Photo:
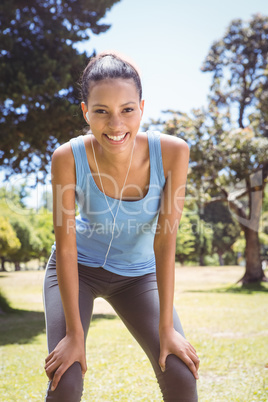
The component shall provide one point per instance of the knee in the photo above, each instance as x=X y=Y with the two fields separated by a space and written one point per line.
x=70 y=387
x=178 y=382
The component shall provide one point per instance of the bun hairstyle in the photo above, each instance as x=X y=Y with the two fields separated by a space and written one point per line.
x=105 y=66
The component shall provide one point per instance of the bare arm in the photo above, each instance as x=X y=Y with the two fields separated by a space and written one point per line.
x=71 y=348
x=175 y=160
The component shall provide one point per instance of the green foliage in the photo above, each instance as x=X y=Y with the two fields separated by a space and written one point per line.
x=264 y=239
x=239 y=63
x=9 y=243
x=43 y=227
x=185 y=242
x=30 y=243
x=24 y=233
x=221 y=155
x=225 y=229
x=228 y=159
x=14 y=195
x=223 y=166
x=211 y=260
x=39 y=68
x=239 y=245
x=194 y=237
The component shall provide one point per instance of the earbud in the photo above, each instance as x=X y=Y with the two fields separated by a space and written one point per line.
x=87 y=116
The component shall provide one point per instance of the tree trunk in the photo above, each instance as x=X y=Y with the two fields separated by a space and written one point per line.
x=3 y=264
x=17 y=266
x=250 y=226
x=201 y=257
x=254 y=271
x=220 y=259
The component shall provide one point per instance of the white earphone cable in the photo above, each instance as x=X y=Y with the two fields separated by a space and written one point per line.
x=106 y=199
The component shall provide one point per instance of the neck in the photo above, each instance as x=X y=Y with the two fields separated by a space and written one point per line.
x=122 y=189
x=115 y=161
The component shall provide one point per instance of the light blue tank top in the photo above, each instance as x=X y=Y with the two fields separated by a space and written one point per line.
x=131 y=251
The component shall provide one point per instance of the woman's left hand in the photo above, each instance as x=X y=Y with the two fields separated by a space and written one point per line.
x=172 y=342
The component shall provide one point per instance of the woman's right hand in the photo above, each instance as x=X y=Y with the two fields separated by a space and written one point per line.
x=69 y=350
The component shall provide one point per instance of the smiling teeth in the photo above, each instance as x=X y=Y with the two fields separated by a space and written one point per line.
x=116 y=138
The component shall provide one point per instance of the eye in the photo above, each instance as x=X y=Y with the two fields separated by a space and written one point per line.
x=128 y=110
x=100 y=111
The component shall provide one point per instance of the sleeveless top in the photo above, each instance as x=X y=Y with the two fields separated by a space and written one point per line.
x=130 y=247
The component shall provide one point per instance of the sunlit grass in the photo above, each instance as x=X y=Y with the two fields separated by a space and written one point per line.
x=228 y=327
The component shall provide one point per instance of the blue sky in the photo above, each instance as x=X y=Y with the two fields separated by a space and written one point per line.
x=169 y=41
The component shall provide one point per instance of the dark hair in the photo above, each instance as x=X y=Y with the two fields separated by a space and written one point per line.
x=108 y=65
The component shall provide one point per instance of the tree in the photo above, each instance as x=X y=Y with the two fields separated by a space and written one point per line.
x=225 y=230
x=30 y=242
x=9 y=243
x=239 y=63
x=24 y=233
x=39 y=68
x=43 y=227
x=185 y=241
x=226 y=164
x=203 y=238
x=194 y=237
x=228 y=141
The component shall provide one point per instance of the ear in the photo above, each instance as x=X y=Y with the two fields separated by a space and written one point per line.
x=141 y=107
x=85 y=111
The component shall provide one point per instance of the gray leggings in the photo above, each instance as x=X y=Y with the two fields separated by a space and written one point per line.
x=136 y=301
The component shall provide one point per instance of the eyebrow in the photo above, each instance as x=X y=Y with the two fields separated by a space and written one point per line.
x=124 y=104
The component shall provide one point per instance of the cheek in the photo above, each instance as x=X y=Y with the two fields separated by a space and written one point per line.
x=96 y=121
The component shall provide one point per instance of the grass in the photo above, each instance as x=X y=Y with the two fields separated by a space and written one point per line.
x=227 y=324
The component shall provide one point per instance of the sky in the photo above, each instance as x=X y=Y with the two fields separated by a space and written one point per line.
x=169 y=41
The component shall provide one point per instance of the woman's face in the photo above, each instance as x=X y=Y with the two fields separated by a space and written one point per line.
x=114 y=112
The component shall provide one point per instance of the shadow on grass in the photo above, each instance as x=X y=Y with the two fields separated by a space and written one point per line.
x=20 y=326
x=97 y=317
x=251 y=288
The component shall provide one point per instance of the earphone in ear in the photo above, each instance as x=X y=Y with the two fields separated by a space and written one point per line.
x=87 y=115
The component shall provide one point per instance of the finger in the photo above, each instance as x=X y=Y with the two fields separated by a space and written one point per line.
x=57 y=376
x=192 y=348
x=49 y=356
x=49 y=373
x=197 y=363
x=191 y=365
x=49 y=362
x=195 y=359
x=84 y=368
x=51 y=367
x=162 y=360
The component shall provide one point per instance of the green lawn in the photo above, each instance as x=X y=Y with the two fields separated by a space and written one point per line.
x=227 y=325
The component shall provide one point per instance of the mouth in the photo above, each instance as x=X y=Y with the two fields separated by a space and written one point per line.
x=116 y=138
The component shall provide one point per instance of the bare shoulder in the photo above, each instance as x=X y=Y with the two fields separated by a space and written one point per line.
x=175 y=152
x=172 y=145
x=63 y=160
x=142 y=137
x=142 y=141
x=63 y=151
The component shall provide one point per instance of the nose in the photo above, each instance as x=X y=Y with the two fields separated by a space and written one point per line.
x=115 y=121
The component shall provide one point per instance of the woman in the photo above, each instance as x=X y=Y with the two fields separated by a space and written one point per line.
x=129 y=187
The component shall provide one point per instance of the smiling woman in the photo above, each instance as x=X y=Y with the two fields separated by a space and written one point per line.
x=113 y=111
x=129 y=187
